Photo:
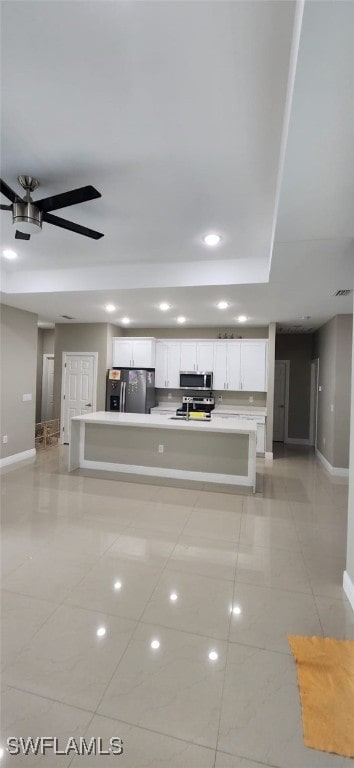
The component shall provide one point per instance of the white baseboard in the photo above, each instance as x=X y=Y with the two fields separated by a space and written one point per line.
x=16 y=457
x=297 y=441
x=337 y=471
x=268 y=455
x=348 y=587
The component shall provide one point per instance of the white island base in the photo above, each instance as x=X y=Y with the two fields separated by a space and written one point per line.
x=215 y=451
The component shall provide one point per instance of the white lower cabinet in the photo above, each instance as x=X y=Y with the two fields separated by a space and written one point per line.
x=261 y=422
x=167 y=364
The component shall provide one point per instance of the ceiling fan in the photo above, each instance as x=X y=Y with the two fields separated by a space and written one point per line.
x=29 y=215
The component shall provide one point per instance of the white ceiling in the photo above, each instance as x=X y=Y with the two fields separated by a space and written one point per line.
x=179 y=114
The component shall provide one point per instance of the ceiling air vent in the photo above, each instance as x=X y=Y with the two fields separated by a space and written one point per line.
x=343 y=292
x=67 y=317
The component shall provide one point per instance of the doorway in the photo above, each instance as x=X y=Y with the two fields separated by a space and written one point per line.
x=79 y=386
x=281 y=400
x=47 y=388
x=314 y=402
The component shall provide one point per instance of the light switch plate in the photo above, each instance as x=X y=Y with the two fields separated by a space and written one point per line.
x=27 y=397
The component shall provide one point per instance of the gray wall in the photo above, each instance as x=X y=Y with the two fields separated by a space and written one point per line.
x=332 y=344
x=350 y=539
x=18 y=377
x=270 y=392
x=298 y=349
x=81 y=337
x=197 y=333
x=45 y=346
x=220 y=453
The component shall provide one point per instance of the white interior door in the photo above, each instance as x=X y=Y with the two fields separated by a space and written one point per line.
x=279 y=401
x=47 y=388
x=79 y=388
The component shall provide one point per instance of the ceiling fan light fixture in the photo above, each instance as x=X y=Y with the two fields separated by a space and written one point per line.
x=27 y=218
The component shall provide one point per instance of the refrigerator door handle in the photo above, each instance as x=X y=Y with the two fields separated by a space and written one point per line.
x=125 y=387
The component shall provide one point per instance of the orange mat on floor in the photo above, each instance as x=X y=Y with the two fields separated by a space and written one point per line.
x=325 y=673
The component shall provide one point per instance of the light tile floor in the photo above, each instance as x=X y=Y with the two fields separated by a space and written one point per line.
x=195 y=570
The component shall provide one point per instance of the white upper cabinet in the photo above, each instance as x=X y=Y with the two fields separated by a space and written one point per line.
x=161 y=364
x=167 y=364
x=240 y=365
x=220 y=365
x=254 y=366
x=134 y=352
x=173 y=364
x=205 y=356
x=233 y=365
x=122 y=353
x=188 y=355
x=197 y=356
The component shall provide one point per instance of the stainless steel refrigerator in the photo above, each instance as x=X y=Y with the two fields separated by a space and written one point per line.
x=130 y=390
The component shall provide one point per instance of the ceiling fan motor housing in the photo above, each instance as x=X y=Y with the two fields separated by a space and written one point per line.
x=27 y=217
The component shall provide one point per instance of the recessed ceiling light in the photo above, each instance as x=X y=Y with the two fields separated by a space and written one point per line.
x=181 y=319
x=125 y=320
x=101 y=631
x=223 y=305
x=117 y=585
x=242 y=318
x=155 y=644
x=164 y=306
x=110 y=308
x=212 y=239
x=9 y=254
x=236 y=610
x=173 y=597
x=213 y=656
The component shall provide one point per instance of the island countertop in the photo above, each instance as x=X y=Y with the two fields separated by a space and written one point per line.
x=163 y=421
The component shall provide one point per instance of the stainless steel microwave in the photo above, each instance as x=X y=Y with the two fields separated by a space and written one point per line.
x=196 y=380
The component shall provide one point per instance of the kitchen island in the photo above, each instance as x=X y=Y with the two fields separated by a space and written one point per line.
x=219 y=450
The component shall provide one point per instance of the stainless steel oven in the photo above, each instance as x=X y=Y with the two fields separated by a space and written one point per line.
x=196 y=380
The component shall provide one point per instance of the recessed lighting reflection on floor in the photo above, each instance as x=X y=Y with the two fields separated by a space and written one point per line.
x=155 y=644
x=236 y=610
x=101 y=631
x=213 y=656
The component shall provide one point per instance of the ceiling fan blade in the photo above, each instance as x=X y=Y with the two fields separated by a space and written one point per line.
x=58 y=222
x=22 y=235
x=9 y=193
x=5 y=207
x=65 y=199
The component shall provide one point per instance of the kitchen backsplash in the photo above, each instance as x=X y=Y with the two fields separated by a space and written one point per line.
x=228 y=398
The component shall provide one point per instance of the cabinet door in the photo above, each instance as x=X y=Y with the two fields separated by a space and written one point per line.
x=161 y=365
x=220 y=372
x=122 y=353
x=254 y=366
x=173 y=364
x=233 y=366
x=205 y=355
x=143 y=353
x=188 y=356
